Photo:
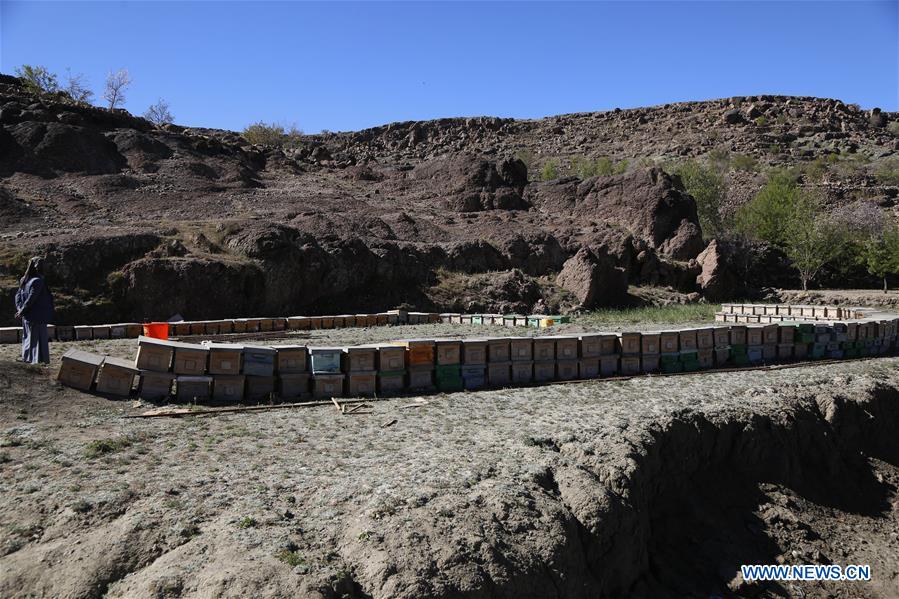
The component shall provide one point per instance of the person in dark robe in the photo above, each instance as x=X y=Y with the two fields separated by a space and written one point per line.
x=34 y=305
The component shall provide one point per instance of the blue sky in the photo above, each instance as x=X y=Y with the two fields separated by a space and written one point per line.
x=346 y=65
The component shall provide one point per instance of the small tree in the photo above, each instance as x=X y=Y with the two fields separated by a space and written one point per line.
x=880 y=254
x=38 y=79
x=810 y=239
x=550 y=170
x=765 y=217
x=708 y=187
x=273 y=134
x=159 y=113
x=116 y=85
x=76 y=87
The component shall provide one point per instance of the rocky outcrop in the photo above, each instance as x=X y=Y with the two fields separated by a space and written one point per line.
x=594 y=279
x=468 y=183
x=648 y=203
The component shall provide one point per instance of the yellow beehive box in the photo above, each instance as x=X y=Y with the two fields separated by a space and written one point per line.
x=116 y=377
x=228 y=388
x=79 y=369
x=154 y=354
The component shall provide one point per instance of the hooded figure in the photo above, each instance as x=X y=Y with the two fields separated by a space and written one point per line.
x=34 y=305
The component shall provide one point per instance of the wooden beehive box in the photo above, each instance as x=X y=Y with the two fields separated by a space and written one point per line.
x=325 y=360
x=292 y=359
x=544 y=350
x=592 y=344
x=298 y=323
x=499 y=349
x=239 y=325
x=544 y=371
x=381 y=320
x=449 y=351
x=474 y=376
x=253 y=325
x=100 y=332
x=154 y=354
x=419 y=352
x=499 y=374
x=133 y=330
x=315 y=322
x=360 y=358
x=228 y=388
x=755 y=335
x=349 y=320
x=155 y=385
x=190 y=359
x=116 y=377
x=566 y=347
x=650 y=362
x=522 y=372
x=705 y=338
x=211 y=327
x=259 y=388
x=687 y=339
x=225 y=358
x=651 y=344
x=10 y=334
x=79 y=369
x=278 y=324
x=567 y=370
x=784 y=351
x=770 y=334
x=588 y=368
x=608 y=364
x=182 y=329
x=738 y=335
x=391 y=358
x=293 y=385
x=629 y=344
x=630 y=365
x=197 y=327
x=190 y=387
x=758 y=309
x=391 y=381
x=786 y=333
x=84 y=332
x=420 y=377
x=338 y=322
x=67 y=333
x=474 y=351
x=705 y=357
x=117 y=331
x=771 y=310
x=259 y=360
x=521 y=349
x=392 y=318
x=361 y=384
x=265 y=325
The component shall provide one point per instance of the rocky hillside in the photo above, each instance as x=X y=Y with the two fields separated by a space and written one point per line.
x=144 y=222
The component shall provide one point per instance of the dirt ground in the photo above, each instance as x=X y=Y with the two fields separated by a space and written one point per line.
x=650 y=487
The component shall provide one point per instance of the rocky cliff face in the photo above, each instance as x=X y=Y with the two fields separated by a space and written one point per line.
x=142 y=222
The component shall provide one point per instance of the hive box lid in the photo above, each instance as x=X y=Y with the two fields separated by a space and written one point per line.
x=322 y=348
x=172 y=344
x=360 y=348
x=281 y=348
x=259 y=349
x=82 y=356
x=223 y=346
x=120 y=363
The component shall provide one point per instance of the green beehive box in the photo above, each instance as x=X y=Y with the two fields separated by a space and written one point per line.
x=477 y=319
x=669 y=359
x=562 y=319
x=448 y=371
x=806 y=337
x=533 y=322
x=670 y=367
x=805 y=327
x=740 y=359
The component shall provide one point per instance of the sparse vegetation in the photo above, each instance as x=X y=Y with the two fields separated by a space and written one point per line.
x=601 y=166
x=291 y=558
x=744 y=162
x=159 y=113
x=708 y=187
x=77 y=88
x=672 y=314
x=247 y=522
x=271 y=134
x=550 y=170
x=893 y=128
x=887 y=171
x=38 y=79
x=116 y=85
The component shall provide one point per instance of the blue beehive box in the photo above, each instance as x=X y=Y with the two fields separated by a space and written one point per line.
x=259 y=360
x=325 y=360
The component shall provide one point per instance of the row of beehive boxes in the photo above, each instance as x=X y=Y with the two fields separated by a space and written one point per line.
x=792 y=310
x=508 y=320
x=132 y=330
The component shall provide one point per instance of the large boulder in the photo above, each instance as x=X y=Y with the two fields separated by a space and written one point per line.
x=718 y=280
x=469 y=183
x=593 y=278
x=77 y=149
x=648 y=203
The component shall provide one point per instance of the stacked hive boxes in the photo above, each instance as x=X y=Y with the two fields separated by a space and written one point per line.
x=360 y=364
x=419 y=363
x=327 y=378
x=448 y=369
x=474 y=363
x=391 y=368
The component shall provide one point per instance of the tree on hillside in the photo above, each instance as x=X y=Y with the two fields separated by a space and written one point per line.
x=766 y=216
x=38 y=79
x=880 y=253
x=76 y=87
x=810 y=238
x=116 y=84
x=159 y=113
x=708 y=187
x=265 y=134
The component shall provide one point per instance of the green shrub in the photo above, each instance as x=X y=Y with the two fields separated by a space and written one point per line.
x=38 y=79
x=744 y=162
x=761 y=121
x=887 y=172
x=550 y=170
x=103 y=446
x=291 y=558
x=893 y=128
x=765 y=217
x=880 y=253
x=265 y=134
x=708 y=187
x=602 y=166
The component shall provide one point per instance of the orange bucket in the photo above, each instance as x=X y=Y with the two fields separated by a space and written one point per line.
x=157 y=330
